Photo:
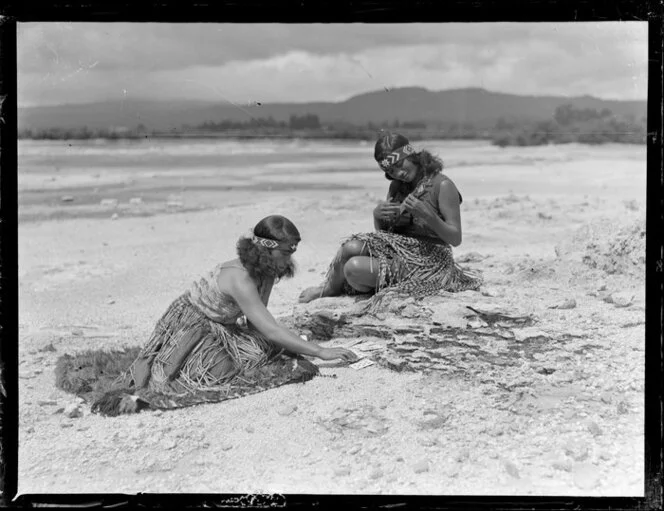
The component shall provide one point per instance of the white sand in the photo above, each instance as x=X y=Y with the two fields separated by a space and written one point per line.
x=114 y=278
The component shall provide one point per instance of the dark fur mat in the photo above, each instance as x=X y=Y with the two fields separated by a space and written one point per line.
x=92 y=375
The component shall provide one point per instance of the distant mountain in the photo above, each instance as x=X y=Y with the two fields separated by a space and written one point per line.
x=479 y=107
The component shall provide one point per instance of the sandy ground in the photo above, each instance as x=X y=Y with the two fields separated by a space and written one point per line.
x=91 y=280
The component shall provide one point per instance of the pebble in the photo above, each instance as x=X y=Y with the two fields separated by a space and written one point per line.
x=66 y=425
x=453 y=471
x=135 y=200
x=286 y=410
x=594 y=429
x=586 y=476
x=490 y=292
x=342 y=471
x=115 y=216
x=354 y=450
x=168 y=444
x=376 y=473
x=226 y=447
x=249 y=429
x=576 y=450
x=427 y=442
x=109 y=202
x=606 y=397
x=395 y=362
x=411 y=311
x=568 y=303
x=67 y=198
x=565 y=465
x=421 y=466
x=48 y=402
x=471 y=257
x=59 y=410
x=605 y=455
x=511 y=469
x=476 y=323
x=463 y=455
x=623 y=299
x=622 y=408
x=110 y=302
x=73 y=410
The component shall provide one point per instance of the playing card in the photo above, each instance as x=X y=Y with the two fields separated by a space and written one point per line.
x=361 y=364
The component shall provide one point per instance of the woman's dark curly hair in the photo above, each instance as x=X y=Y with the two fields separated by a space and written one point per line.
x=258 y=259
x=427 y=163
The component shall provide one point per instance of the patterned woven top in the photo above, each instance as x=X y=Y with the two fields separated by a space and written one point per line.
x=216 y=304
x=427 y=191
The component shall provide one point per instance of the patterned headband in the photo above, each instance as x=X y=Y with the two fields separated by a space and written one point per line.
x=396 y=156
x=272 y=243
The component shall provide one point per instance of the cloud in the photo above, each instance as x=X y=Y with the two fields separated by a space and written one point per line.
x=45 y=47
x=68 y=62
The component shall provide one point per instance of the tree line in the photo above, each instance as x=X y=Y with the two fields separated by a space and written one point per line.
x=567 y=124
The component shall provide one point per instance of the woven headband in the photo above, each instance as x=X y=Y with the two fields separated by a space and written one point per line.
x=272 y=243
x=396 y=156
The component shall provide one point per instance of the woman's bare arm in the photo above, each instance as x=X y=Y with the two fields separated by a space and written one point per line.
x=447 y=228
x=243 y=290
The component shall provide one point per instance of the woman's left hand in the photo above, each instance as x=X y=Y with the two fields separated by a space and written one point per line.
x=416 y=207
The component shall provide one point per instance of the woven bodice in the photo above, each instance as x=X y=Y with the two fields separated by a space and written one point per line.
x=216 y=304
x=427 y=191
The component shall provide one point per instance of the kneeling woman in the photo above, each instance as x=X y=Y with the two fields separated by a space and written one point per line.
x=410 y=251
x=201 y=345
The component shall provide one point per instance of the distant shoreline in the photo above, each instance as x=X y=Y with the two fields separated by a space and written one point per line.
x=236 y=135
x=493 y=139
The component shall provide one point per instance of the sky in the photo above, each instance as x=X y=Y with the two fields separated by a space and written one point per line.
x=65 y=63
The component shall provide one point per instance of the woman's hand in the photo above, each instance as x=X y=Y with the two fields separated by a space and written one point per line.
x=332 y=353
x=387 y=212
x=416 y=207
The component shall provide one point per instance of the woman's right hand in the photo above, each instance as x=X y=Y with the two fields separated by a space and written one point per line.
x=333 y=353
x=387 y=211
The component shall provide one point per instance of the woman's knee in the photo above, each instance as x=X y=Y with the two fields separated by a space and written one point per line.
x=352 y=248
x=359 y=269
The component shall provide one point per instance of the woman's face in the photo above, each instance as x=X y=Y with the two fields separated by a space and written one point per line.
x=282 y=258
x=405 y=171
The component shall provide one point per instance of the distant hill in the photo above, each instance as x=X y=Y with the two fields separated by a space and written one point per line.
x=479 y=107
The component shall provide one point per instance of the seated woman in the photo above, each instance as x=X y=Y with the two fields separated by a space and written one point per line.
x=410 y=251
x=201 y=344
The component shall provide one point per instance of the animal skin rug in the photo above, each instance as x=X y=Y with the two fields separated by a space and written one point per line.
x=92 y=375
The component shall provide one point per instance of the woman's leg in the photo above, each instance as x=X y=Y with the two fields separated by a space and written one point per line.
x=361 y=273
x=333 y=286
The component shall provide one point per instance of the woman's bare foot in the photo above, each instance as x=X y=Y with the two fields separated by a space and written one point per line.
x=310 y=294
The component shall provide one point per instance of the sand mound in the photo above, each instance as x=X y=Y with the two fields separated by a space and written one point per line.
x=609 y=246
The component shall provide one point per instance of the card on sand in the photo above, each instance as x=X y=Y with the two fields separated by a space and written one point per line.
x=361 y=364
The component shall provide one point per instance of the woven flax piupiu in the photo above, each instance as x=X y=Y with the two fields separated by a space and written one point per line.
x=414 y=261
x=198 y=352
